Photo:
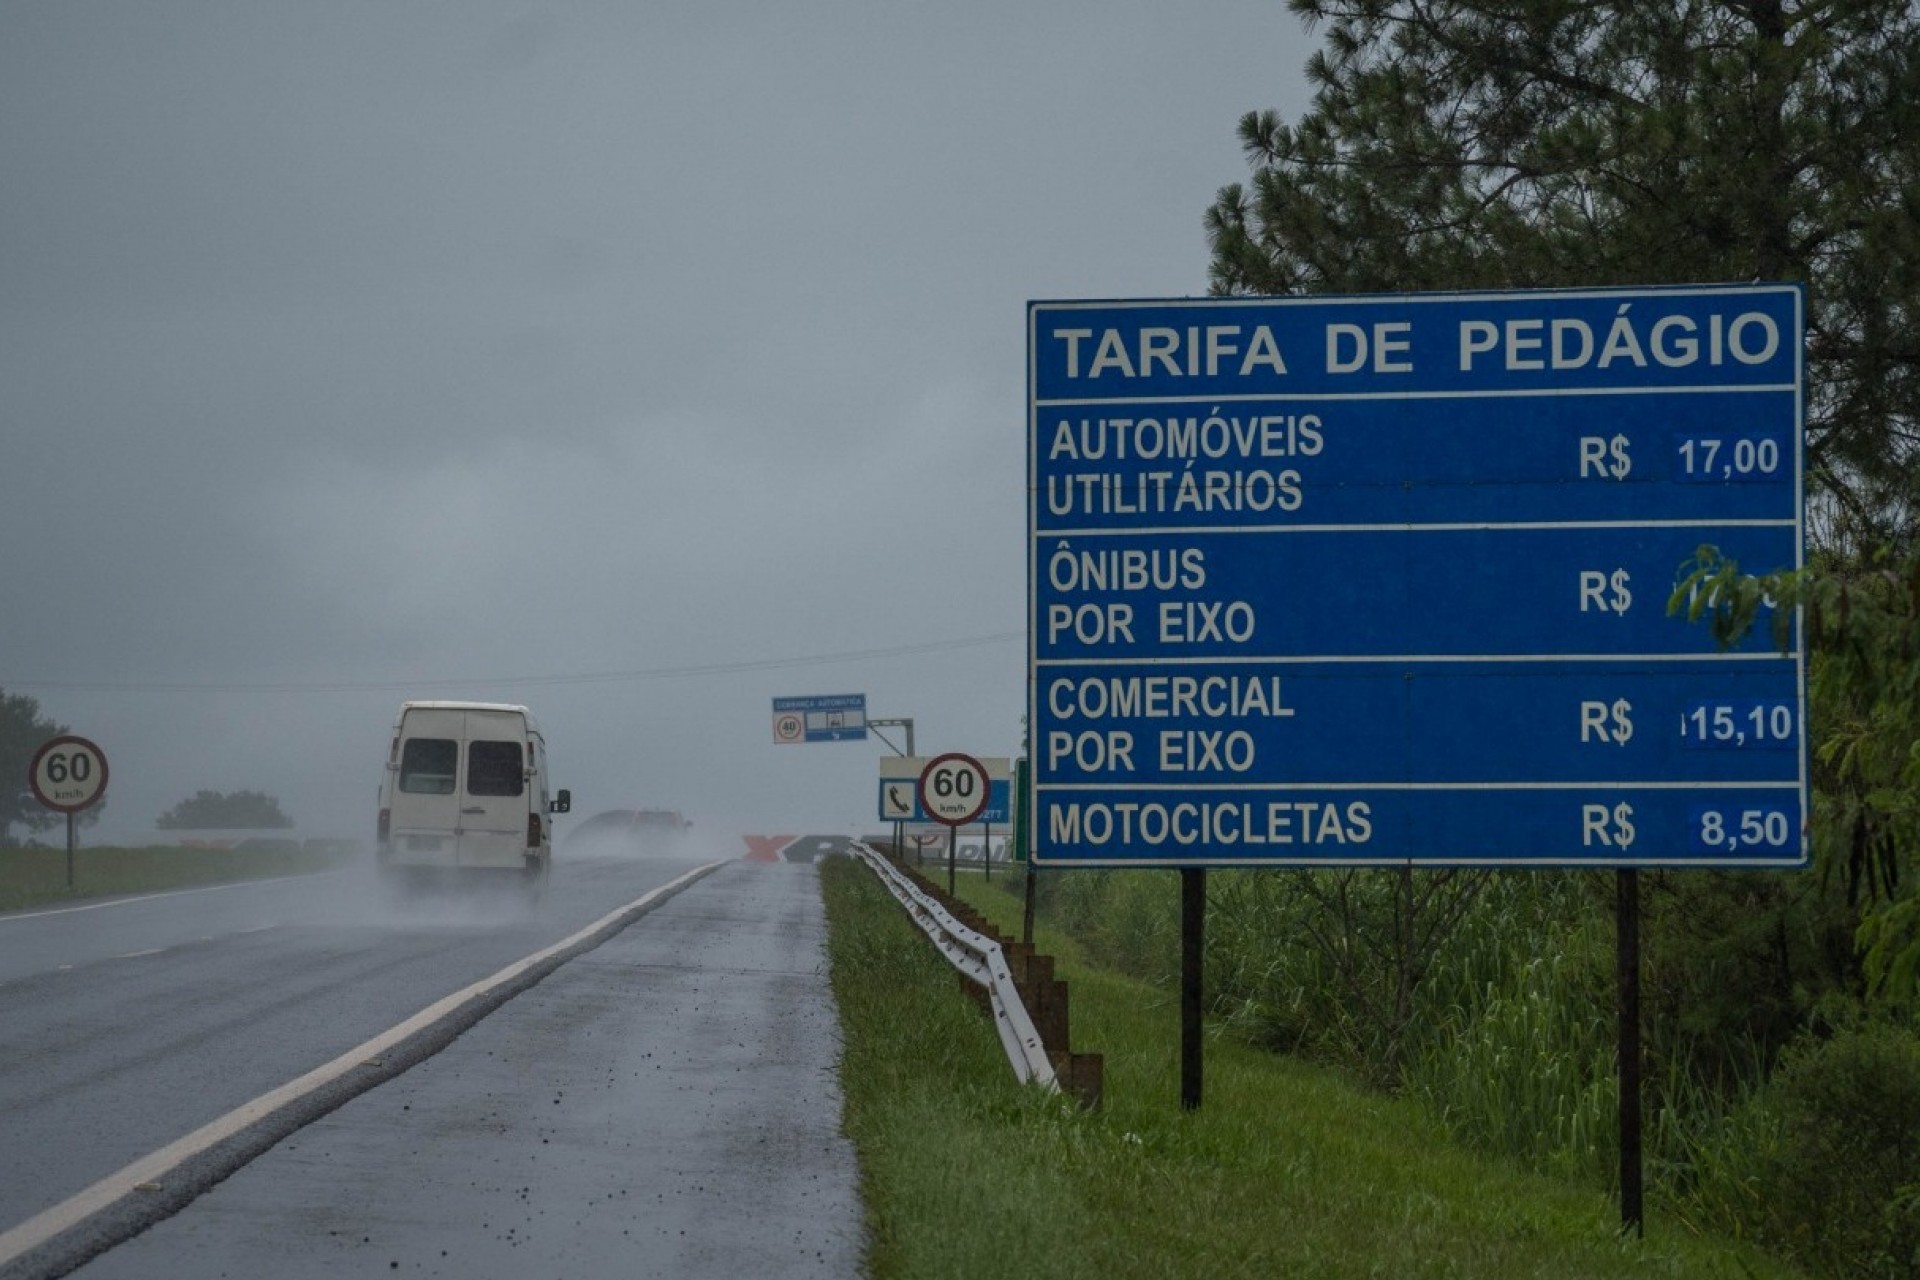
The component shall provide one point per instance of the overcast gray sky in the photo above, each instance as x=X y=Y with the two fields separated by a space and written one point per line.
x=630 y=360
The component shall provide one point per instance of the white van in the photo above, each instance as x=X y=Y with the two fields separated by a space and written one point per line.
x=465 y=795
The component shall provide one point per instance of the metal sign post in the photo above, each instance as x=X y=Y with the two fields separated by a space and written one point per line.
x=905 y=722
x=1193 y=950
x=1022 y=822
x=876 y=725
x=1627 y=976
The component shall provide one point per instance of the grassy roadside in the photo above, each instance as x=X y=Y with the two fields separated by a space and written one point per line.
x=1287 y=1170
x=36 y=877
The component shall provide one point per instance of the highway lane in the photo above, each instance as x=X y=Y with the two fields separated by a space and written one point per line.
x=662 y=1105
x=124 y=1027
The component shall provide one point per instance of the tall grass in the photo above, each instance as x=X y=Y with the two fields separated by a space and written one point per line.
x=1823 y=1161
x=1510 y=1033
x=1508 y=1041
x=1286 y=1170
x=1516 y=1046
x=1128 y=921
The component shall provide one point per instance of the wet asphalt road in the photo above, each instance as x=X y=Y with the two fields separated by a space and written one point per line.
x=663 y=1104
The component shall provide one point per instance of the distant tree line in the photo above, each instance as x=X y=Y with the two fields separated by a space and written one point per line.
x=23 y=731
x=224 y=811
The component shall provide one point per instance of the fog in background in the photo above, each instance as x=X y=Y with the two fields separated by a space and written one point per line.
x=637 y=362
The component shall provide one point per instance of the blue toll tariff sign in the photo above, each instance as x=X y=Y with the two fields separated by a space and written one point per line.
x=1384 y=580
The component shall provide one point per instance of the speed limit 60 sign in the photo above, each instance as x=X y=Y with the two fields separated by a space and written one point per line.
x=68 y=774
x=954 y=788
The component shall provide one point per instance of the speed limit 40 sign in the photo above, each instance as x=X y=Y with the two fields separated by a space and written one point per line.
x=68 y=774
x=954 y=789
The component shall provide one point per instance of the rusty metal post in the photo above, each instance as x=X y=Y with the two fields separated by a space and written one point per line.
x=1193 y=926
x=1627 y=973
x=1026 y=909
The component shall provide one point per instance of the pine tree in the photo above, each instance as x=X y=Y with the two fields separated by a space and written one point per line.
x=1534 y=143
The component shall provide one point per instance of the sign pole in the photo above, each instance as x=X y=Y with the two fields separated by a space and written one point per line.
x=1627 y=972
x=1026 y=910
x=70 y=844
x=1023 y=843
x=986 y=850
x=953 y=836
x=1193 y=926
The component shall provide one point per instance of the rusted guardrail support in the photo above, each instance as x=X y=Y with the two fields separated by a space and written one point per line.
x=978 y=950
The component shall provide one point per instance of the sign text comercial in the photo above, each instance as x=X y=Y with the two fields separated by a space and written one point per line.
x=1379 y=580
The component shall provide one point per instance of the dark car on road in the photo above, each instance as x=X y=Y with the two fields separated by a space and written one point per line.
x=619 y=831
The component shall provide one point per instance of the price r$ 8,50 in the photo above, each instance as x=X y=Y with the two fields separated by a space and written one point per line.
x=1728 y=831
x=1719 y=831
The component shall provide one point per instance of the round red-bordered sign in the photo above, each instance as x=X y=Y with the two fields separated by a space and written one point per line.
x=68 y=774
x=954 y=789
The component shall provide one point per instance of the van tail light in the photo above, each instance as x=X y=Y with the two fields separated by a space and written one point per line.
x=386 y=826
x=533 y=831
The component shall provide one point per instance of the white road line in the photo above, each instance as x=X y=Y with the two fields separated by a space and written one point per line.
x=48 y=1223
x=135 y=955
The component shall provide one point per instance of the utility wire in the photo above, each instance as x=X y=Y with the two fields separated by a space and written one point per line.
x=592 y=677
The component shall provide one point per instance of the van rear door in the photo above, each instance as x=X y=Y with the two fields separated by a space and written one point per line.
x=426 y=800
x=493 y=798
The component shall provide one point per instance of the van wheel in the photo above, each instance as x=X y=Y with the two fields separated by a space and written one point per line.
x=535 y=886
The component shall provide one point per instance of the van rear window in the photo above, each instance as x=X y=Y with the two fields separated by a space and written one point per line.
x=428 y=766
x=493 y=769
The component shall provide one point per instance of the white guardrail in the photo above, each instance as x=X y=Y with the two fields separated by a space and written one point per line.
x=981 y=960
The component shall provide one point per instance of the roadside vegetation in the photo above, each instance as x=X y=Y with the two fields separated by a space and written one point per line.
x=33 y=854
x=37 y=875
x=1781 y=1105
x=1289 y=1168
x=1494 y=146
